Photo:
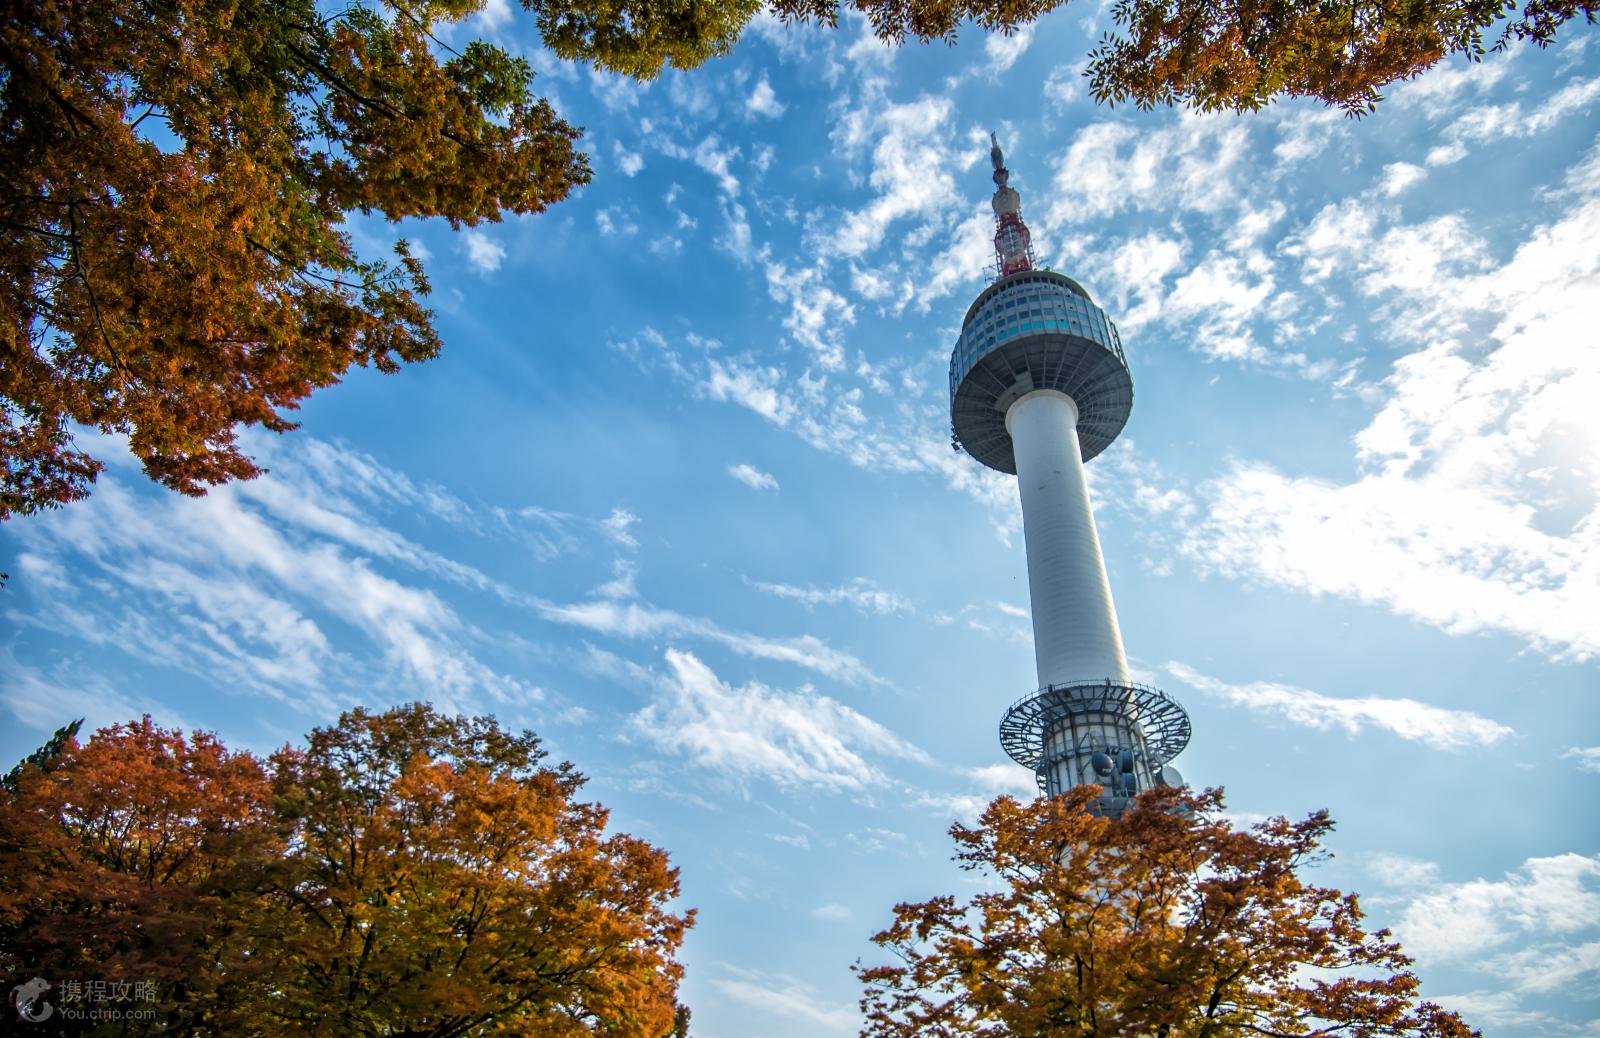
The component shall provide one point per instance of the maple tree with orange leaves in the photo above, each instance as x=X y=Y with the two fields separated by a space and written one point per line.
x=405 y=873
x=1167 y=922
x=1239 y=55
x=175 y=177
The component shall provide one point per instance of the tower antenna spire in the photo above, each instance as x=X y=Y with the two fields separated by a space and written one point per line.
x=1013 y=245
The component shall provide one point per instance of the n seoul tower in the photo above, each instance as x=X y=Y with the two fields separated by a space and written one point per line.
x=1039 y=385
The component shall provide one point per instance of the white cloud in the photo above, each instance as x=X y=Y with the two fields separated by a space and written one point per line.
x=45 y=702
x=1494 y=122
x=984 y=785
x=1063 y=84
x=817 y=314
x=1499 y=1009
x=832 y=419
x=1190 y=164
x=624 y=580
x=1219 y=298
x=753 y=388
x=1543 y=898
x=798 y=739
x=753 y=477
x=912 y=164
x=617 y=92
x=483 y=252
x=1545 y=969
x=1399 y=870
x=619 y=527
x=629 y=162
x=737 y=240
x=1413 y=721
x=860 y=593
x=962 y=262
x=635 y=619
x=1308 y=130
x=1001 y=51
x=494 y=15
x=1440 y=90
x=1588 y=758
x=718 y=161
x=833 y=912
x=788 y=999
x=1397 y=176
x=244 y=585
x=1139 y=268
x=1477 y=507
x=763 y=101
x=612 y=221
x=994 y=779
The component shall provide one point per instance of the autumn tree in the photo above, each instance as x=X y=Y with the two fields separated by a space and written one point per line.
x=130 y=859
x=1241 y=54
x=175 y=176
x=445 y=882
x=405 y=873
x=1167 y=922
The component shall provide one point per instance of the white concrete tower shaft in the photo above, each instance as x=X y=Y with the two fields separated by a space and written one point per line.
x=1075 y=633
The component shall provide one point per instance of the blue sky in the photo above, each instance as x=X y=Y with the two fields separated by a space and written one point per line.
x=679 y=496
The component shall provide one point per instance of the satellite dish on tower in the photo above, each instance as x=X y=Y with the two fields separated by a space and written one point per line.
x=1170 y=777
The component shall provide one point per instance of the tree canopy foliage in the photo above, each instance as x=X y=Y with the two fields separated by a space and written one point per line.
x=174 y=179
x=1239 y=54
x=1165 y=922
x=405 y=873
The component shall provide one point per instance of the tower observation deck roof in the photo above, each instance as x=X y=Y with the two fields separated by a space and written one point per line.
x=1036 y=329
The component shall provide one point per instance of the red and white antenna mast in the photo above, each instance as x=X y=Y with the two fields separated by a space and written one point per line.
x=1013 y=245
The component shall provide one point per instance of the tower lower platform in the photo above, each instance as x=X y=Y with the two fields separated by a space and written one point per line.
x=1117 y=735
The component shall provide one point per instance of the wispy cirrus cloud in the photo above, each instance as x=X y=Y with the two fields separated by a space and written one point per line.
x=860 y=593
x=753 y=477
x=786 y=998
x=796 y=739
x=1433 y=726
x=638 y=620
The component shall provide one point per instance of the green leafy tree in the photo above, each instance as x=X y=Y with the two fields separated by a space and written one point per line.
x=1165 y=922
x=636 y=37
x=44 y=756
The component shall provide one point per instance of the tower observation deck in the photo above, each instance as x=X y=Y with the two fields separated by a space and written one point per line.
x=1039 y=385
